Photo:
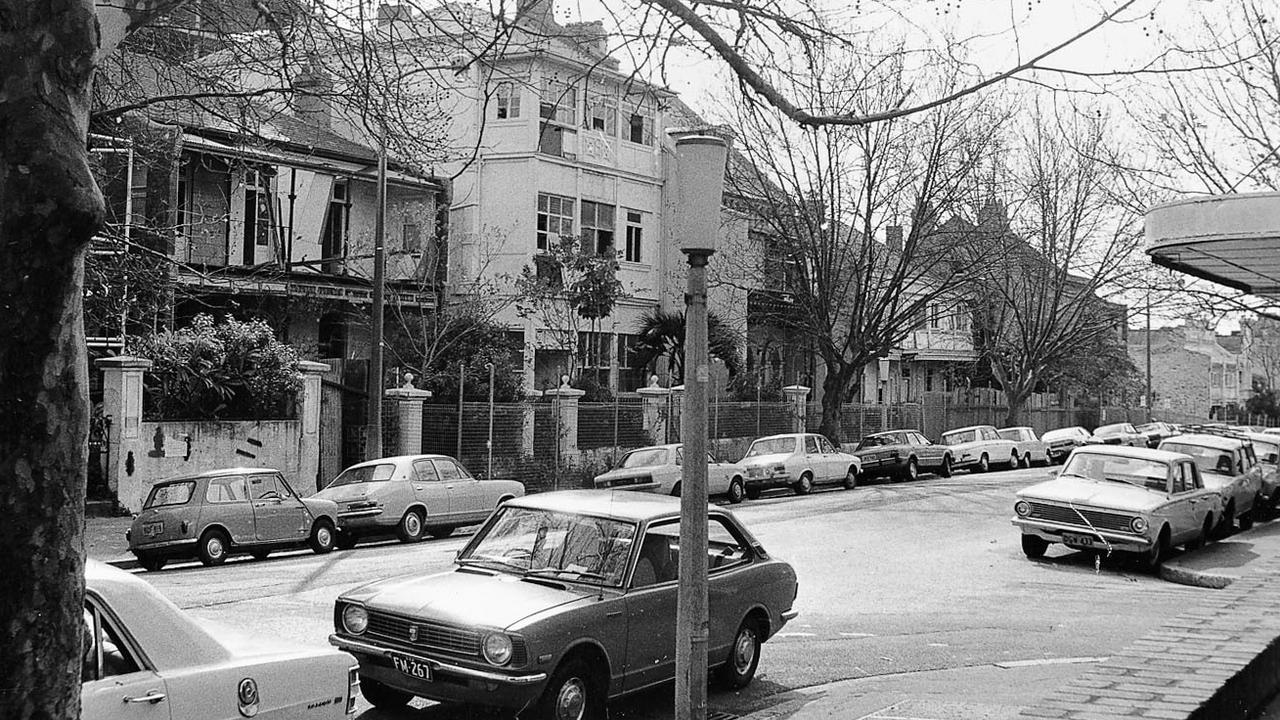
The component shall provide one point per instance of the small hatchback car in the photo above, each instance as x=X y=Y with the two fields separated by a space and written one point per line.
x=220 y=512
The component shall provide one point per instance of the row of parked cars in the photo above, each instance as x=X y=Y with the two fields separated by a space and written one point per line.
x=1196 y=485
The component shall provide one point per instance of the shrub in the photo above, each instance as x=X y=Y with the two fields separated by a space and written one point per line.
x=232 y=370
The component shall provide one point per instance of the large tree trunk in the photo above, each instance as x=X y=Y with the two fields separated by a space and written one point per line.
x=49 y=209
x=1016 y=394
x=833 y=391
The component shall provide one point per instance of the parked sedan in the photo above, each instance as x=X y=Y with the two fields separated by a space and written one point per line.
x=561 y=602
x=979 y=447
x=409 y=495
x=902 y=454
x=798 y=461
x=1129 y=499
x=1156 y=432
x=145 y=658
x=1267 y=449
x=1063 y=440
x=222 y=512
x=1228 y=465
x=1031 y=449
x=659 y=469
x=1118 y=434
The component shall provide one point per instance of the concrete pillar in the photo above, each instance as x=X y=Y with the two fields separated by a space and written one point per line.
x=654 y=412
x=309 y=417
x=409 y=400
x=122 y=406
x=797 y=396
x=565 y=401
x=528 y=419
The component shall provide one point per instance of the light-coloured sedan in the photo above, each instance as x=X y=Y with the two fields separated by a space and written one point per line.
x=1031 y=449
x=145 y=658
x=798 y=461
x=660 y=469
x=1062 y=441
x=1228 y=465
x=1118 y=434
x=978 y=447
x=1128 y=499
x=1267 y=449
x=410 y=495
x=561 y=602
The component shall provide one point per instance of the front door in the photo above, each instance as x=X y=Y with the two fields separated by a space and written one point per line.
x=226 y=500
x=651 y=609
x=278 y=513
x=430 y=491
x=115 y=682
x=468 y=497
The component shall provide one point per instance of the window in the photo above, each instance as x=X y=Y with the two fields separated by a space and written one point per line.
x=558 y=101
x=601 y=114
x=593 y=355
x=263 y=487
x=555 y=217
x=630 y=378
x=598 y=227
x=178 y=493
x=333 y=237
x=811 y=444
x=226 y=490
x=639 y=127
x=450 y=471
x=426 y=471
x=507 y=101
x=826 y=447
x=105 y=654
x=635 y=234
x=411 y=238
x=724 y=547
x=659 y=556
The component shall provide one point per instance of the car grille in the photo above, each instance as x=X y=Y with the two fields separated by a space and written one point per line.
x=461 y=642
x=1068 y=516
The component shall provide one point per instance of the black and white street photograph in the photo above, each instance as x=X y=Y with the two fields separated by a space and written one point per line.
x=639 y=359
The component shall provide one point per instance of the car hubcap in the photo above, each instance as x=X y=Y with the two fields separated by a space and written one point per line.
x=744 y=651
x=214 y=547
x=323 y=536
x=411 y=524
x=571 y=703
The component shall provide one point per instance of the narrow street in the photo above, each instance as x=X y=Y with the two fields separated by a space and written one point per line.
x=917 y=593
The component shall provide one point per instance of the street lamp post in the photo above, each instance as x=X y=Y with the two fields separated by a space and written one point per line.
x=373 y=445
x=700 y=163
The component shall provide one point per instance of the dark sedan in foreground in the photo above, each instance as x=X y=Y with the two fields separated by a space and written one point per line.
x=559 y=603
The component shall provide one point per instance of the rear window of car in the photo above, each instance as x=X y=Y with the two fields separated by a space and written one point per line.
x=1267 y=452
x=1211 y=460
x=1010 y=434
x=364 y=474
x=645 y=458
x=772 y=446
x=963 y=436
x=174 y=493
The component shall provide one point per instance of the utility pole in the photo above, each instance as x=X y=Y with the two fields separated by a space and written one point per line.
x=700 y=164
x=1148 y=356
x=373 y=444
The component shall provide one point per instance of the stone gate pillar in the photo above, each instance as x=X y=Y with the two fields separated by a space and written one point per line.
x=565 y=401
x=528 y=421
x=797 y=396
x=122 y=405
x=309 y=419
x=409 y=401
x=654 y=411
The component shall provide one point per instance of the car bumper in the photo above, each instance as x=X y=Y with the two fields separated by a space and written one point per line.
x=365 y=520
x=166 y=549
x=765 y=483
x=1053 y=532
x=449 y=681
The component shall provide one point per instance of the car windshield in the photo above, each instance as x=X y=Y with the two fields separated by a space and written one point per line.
x=1267 y=452
x=875 y=440
x=1059 y=434
x=645 y=458
x=1151 y=474
x=549 y=543
x=1109 y=429
x=1149 y=427
x=959 y=436
x=174 y=493
x=364 y=474
x=771 y=446
x=1209 y=460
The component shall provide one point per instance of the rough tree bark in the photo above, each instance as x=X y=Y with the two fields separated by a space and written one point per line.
x=49 y=210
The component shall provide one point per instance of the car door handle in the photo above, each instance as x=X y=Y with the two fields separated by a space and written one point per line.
x=614 y=614
x=152 y=697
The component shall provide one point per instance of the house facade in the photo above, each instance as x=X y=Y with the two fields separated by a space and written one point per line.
x=1192 y=371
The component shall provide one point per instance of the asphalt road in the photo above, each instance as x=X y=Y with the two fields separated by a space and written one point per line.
x=915 y=600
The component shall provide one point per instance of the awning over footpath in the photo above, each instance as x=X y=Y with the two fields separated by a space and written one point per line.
x=1232 y=240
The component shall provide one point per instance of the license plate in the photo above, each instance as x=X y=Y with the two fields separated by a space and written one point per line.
x=153 y=529
x=1084 y=541
x=411 y=667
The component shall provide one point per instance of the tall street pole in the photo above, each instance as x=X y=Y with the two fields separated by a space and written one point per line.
x=373 y=444
x=700 y=165
x=1149 y=418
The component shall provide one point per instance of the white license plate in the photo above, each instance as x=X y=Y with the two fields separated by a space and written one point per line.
x=153 y=529
x=411 y=667
x=1082 y=541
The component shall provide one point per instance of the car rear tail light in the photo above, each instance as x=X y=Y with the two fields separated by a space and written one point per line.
x=353 y=688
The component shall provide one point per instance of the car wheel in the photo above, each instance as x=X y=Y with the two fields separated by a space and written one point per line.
x=151 y=563
x=573 y=693
x=804 y=485
x=851 y=478
x=913 y=470
x=1026 y=460
x=984 y=465
x=213 y=547
x=1246 y=520
x=1014 y=460
x=345 y=541
x=322 y=538
x=410 y=528
x=945 y=470
x=744 y=656
x=735 y=491
x=383 y=696
x=260 y=554
x=1227 y=522
x=1156 y=554
x=753 y=493
x=440 y=532
x=1203 y=538
x=1034 y=546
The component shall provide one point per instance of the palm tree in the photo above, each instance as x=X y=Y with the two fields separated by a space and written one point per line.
x=662 y=335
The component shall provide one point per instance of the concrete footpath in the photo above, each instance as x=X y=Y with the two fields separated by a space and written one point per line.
x=104 y=540
x=1219 y=660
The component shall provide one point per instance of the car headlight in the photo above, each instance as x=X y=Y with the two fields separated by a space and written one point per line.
x=1138 y=524
x=355 y=619
x=497 y=648
x=1022 y=507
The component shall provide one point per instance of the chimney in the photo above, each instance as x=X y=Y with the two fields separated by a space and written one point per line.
x=893 y=238
x=390 y=13
x=536 y=12
x=311 y=88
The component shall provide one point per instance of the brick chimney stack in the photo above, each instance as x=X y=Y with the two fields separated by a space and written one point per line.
x=893 y=238
x=311 y=89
